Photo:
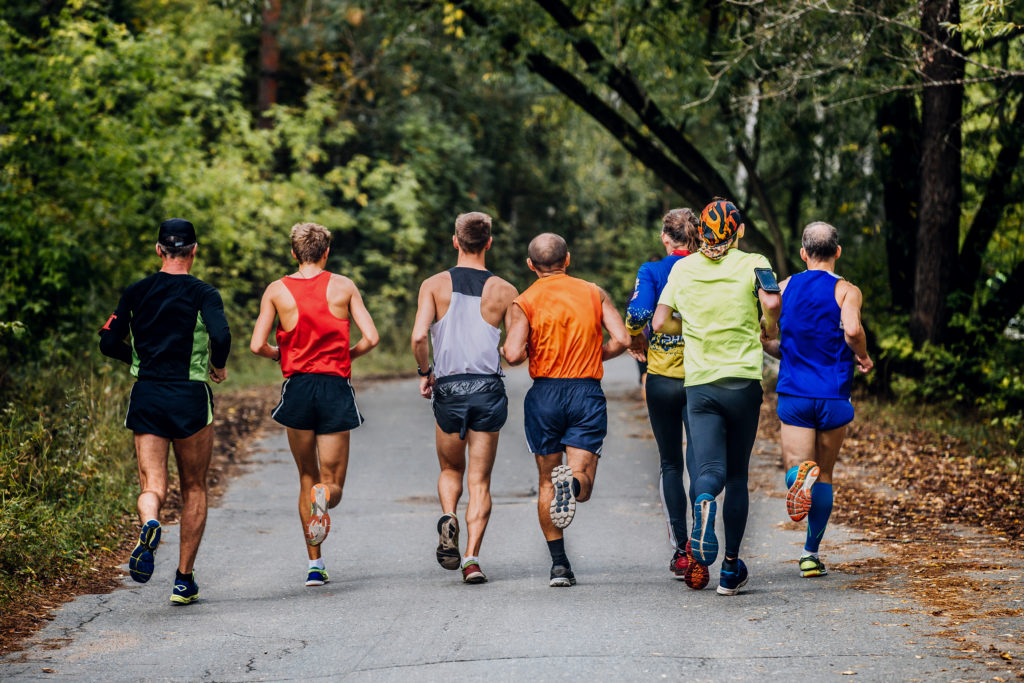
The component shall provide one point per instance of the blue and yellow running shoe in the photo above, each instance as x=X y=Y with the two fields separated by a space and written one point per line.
x=140 y=564
x=317 y=577
x=186 y=590
x=703 y=542
x=811 y=566
x=730 y=582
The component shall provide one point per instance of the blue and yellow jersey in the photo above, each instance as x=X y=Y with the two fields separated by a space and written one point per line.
x=665 y=353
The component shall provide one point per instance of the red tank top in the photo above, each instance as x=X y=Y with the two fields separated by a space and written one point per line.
x=319 y=342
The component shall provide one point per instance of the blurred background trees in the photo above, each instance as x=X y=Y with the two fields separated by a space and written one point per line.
x=901 y=123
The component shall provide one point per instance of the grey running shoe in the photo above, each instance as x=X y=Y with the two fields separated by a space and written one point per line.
x=448 y=555
x=563 y=504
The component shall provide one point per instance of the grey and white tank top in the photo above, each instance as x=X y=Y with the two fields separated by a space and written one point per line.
x=465 y=343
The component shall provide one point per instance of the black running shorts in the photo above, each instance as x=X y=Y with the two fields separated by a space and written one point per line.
x=465 y=402
x=173 y=410
x=323 y=404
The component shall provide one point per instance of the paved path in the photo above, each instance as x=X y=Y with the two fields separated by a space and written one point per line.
x=391 y=613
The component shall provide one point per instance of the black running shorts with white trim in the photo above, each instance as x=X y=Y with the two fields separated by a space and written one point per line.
x=173 y=410
x=465 y=402
x=324 y=404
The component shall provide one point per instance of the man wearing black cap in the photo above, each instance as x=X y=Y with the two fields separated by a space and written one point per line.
x=170 y=327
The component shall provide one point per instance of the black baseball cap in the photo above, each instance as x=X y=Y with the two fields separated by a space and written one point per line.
x=177 y=232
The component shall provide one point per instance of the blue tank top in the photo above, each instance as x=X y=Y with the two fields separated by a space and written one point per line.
x=816 y=362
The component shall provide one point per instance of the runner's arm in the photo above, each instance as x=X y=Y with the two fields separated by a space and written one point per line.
x=771 y=306
x=425 y=312
x=261 y=330
x=853 y=330
x=114 y=332
x=618 y=335
x=212 y=310
x=771 y=345
x=662 y=314
x=361 y=317
x=640 y=308
x=518 y=333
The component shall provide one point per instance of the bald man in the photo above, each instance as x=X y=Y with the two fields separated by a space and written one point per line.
x=558 y=324
x=822 y=339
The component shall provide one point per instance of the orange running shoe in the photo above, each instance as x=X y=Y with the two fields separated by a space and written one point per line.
x=697 y=575
x=798 y=500
x=320 y=521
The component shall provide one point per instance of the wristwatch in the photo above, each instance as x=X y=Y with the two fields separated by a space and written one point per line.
x=430 y=369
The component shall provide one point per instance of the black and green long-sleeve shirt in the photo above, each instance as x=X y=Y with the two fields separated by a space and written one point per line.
x=174 y=326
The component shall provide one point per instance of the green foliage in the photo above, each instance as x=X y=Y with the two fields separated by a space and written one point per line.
x=67 y=474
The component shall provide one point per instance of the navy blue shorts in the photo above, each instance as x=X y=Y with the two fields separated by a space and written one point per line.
x=465 y=402
x=323 y=404
x=565 y=412
x=173 y=410
x=822 y=414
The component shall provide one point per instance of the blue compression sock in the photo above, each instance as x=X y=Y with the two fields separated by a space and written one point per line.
x=817 y=518
x=791 y=475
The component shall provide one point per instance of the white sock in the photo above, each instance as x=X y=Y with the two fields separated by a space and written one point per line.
x=318 y=563
x=469 y=558
x=808 y=553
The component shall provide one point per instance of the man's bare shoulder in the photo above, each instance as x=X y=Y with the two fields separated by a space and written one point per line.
x=845 y=288
x=499 y=288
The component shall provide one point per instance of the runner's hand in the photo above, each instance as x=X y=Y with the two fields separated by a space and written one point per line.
x=218 y=375
x=864 y=364
x=638 y=347
x=426 y=385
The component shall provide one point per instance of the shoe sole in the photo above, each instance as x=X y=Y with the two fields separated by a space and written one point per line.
x=142 y=560
x=563 y=504
x=475 y=577
x=819 y=570
x=703 y=542
x=319 y=521
x=315 y=582
x=798 y=498
x=181 y=600
x=448 y=555
x=697 y=576
x=561 y=582
x=732 y=591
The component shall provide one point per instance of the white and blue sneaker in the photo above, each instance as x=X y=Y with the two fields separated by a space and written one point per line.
x=730 y=582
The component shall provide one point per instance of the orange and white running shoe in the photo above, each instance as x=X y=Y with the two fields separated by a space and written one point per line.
x=798 y=500
x=319 y=521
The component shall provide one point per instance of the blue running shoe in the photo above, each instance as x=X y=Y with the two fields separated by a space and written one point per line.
x=703 y=542
x=730 y=583
x=140 y=564
x=185 y=590
x=316 y=577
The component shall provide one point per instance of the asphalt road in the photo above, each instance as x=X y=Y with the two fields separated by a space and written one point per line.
x=391 y=613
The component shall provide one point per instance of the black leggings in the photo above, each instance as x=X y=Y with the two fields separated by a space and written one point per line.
x=723 y=424
x=666 y=407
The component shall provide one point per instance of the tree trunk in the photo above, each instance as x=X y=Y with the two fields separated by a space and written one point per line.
x=270 y=59
x=899 y=133
x=938 y=228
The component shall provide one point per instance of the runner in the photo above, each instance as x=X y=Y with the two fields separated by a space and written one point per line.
x=666 y=389
x=461 y=310
x=179 y=337
x=822 y=337
x=557 y=322
x=714 y=294
x=314 y=309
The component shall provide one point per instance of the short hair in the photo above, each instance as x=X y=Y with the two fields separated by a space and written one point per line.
x=682 y=227
x=310 y=241
x=547 y=251
x=472 y=230
x=820 y=240
x=184 y=251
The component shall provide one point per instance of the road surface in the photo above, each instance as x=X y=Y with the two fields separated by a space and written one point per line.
x=390 y=613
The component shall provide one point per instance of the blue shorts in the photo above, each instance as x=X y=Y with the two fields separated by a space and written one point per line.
x=822 y=414
x=565 y=412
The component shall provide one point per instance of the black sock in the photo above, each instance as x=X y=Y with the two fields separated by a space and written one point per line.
x=557 y=550
x=182 y=577
x=575 y=486
x=731 y=565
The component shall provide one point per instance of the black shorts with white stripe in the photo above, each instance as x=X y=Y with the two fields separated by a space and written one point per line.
x=324 y=404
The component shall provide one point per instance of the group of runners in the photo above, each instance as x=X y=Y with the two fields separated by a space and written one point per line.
x=704 y=355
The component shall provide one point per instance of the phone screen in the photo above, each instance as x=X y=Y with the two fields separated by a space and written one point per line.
x=766 y=280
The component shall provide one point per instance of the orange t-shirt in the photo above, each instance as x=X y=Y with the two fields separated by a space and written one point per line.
x=565 y=327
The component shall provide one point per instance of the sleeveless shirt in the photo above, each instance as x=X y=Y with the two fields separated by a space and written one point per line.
x=565 y=327
x=465 y=343
x=816 y=362
x=319 y=341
